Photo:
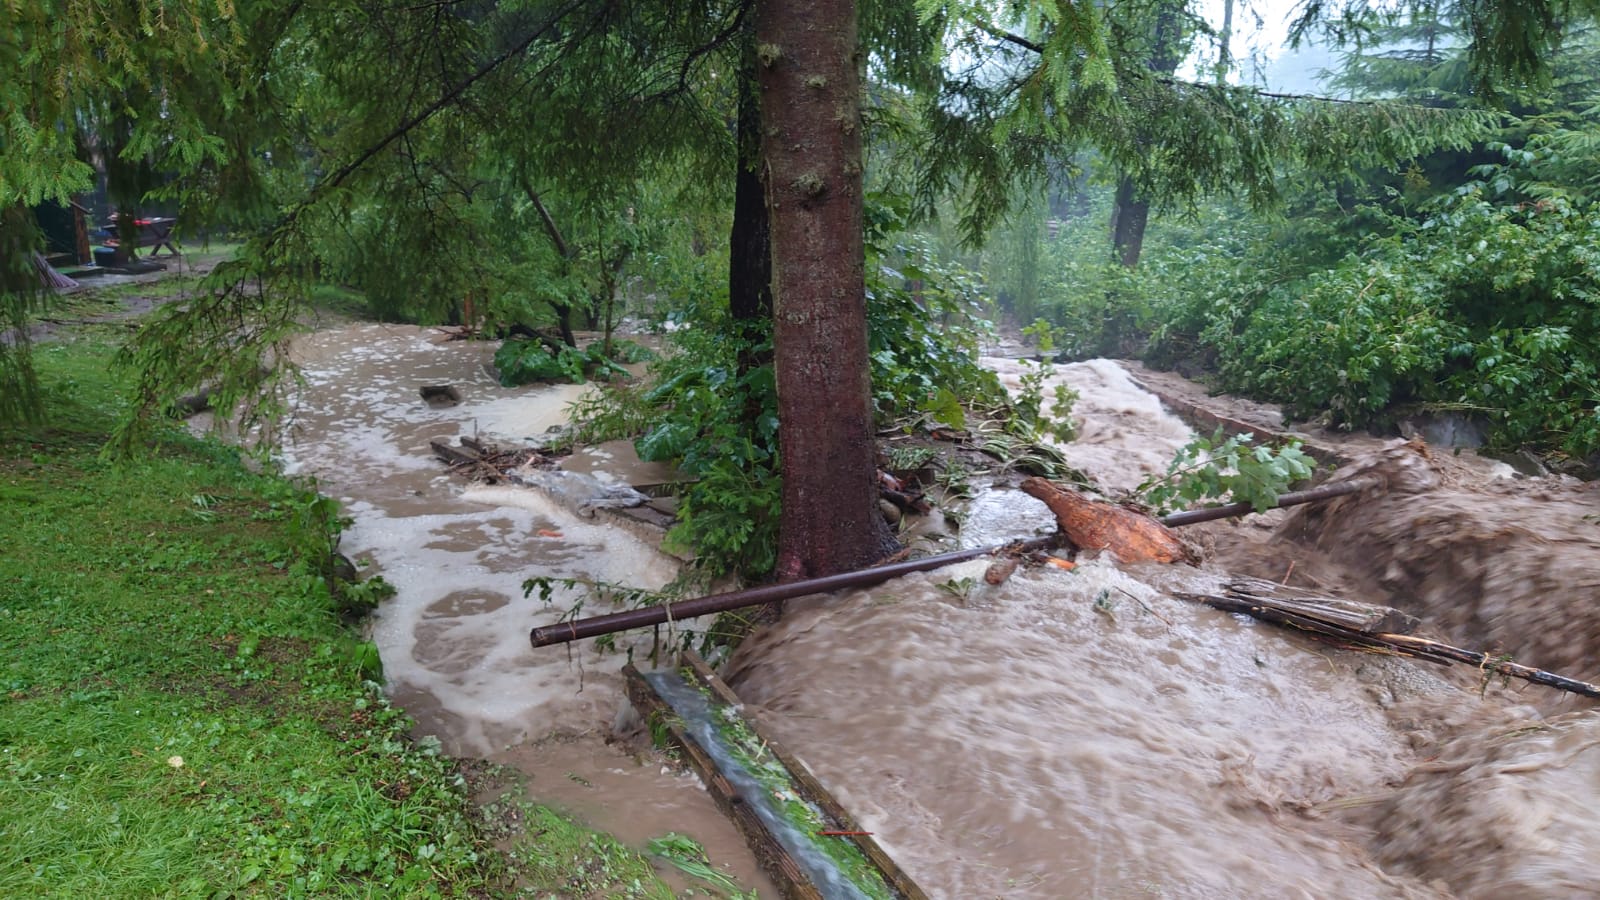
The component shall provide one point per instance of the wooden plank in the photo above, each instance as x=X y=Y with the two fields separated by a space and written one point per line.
x=807 y=784
x=452 y=455
x=776 y=861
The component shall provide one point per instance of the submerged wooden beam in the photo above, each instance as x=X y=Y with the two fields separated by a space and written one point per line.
x=775 y=861
x=809 y=787
x=787 y=872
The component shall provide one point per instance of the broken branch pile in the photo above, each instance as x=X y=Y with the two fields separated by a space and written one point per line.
x=1374 y=629
x=487 y=463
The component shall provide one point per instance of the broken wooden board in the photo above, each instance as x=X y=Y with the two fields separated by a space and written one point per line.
x=792 y=868
x=463 y=456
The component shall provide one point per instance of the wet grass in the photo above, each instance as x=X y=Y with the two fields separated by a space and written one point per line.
x=181 y=711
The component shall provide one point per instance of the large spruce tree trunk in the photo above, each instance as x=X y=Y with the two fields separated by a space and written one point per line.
x=807 y=53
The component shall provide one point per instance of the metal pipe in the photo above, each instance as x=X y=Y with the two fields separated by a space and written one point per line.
x=1294 y=498
x=594 y=626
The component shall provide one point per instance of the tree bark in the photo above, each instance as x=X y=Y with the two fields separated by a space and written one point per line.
x=1131 y=213
x=1128 y=220
x=808 y=57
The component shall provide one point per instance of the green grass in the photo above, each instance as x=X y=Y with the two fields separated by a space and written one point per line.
x=181 y=712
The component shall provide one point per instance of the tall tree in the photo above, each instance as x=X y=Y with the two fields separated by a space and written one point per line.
x=810 y=64
x=1130 y=212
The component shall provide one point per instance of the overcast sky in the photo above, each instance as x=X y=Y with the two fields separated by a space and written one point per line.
x=1260 y=36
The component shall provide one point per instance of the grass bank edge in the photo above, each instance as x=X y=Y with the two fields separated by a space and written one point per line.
x=181 y=711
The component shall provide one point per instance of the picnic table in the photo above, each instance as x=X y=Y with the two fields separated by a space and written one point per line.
x=156 y=233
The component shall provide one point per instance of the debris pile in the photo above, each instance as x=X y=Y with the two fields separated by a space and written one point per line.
x=489 y=464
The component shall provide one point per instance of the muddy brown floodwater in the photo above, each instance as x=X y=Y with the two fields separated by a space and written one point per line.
x=1066 y=734
x=454 y=639
x=1084 y=734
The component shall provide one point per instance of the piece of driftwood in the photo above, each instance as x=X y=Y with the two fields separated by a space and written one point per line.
x=1101 y=526
x=1359 y=626
x=1351 y=614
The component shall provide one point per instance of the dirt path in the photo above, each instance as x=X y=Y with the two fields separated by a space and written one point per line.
x=102 y=299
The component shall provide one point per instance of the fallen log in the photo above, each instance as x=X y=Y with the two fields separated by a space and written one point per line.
x=1099 y=525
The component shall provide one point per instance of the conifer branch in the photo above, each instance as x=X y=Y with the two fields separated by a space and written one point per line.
x=448 y=97
x=1036 y=47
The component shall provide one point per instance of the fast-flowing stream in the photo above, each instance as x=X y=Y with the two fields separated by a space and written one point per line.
x=1066 y=734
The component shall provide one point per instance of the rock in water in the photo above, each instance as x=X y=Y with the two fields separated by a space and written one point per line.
x=440 y=395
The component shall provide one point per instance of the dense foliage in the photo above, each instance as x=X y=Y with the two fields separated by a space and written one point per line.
x=1463 y=280
x=713 y=407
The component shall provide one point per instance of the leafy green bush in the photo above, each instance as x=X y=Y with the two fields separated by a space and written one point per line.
x=1231 y=471
x=926 y=320
x=523 y=362
x=720 y=427
x=1485 y=304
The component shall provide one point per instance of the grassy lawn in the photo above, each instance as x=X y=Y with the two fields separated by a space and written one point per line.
x=182 y=712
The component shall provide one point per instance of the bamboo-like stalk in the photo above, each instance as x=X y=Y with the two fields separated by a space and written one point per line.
x=1389 y=642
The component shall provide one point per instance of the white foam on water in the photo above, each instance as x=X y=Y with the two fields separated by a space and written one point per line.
x=530 y=416
x=454 y=639
x=1124 y=433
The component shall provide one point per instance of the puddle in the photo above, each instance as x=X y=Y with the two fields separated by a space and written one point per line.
x=588 y=778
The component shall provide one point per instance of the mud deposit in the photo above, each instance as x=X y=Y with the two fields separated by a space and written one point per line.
x=1511 y=566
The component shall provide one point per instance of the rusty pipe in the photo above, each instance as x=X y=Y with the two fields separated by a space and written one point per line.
x=594 y=626
x=1294 y=498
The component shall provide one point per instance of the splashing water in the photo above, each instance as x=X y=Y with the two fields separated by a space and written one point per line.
x=1124 y=434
